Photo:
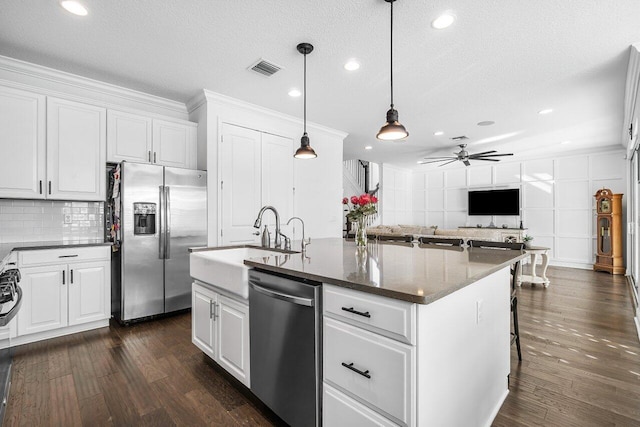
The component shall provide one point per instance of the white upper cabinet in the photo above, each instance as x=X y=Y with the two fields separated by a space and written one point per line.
x=22 y=142
x=137 y=138
x=128 y=137
x=76 y=151
x=174 y=144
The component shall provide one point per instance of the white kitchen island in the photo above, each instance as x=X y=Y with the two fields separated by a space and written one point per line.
x=412 y=335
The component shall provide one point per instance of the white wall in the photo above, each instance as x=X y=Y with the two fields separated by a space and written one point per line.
x=395 y=195
x=558 y=207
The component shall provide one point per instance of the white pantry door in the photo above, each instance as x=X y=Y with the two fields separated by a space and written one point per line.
x=240 y=187
x=277 y=175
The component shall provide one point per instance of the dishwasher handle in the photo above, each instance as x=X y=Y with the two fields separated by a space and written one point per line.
x=307 y=302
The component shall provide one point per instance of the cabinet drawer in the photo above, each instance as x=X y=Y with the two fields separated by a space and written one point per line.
x=386 y=316
x=340 y=410
x=385 y=380
x=65 y=255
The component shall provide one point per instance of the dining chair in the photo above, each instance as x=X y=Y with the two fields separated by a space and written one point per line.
x=440 y=241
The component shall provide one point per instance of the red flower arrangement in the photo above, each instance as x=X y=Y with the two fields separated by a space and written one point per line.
x=360 y=207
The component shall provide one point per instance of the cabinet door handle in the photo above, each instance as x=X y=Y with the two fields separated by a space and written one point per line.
x=215 y=311
x=356 y=370
x=359 y=313
x=40 y=186
x=154 y=157
x=49 y=187
x=149 y=156
x=210 y=309
x=71 y=278
x=67 y=256
x=63 y=281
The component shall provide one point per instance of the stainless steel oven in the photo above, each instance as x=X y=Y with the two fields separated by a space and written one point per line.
x=10 y=301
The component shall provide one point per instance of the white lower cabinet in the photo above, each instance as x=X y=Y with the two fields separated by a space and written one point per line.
x=338 y=409
x=368 y=378
x=220 y=328
x=57 y=296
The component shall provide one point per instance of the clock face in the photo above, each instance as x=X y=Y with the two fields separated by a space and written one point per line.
x=605 y=206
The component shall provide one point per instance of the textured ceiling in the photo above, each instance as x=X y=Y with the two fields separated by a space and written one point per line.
x=501 y=60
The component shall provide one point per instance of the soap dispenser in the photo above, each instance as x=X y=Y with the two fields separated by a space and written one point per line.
x=266 y=237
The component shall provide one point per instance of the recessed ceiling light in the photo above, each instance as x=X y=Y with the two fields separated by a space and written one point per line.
x=443 y=21
x=486 y=123
x=368 y=147
x=565 y=142
x=295 y=93
x=352 y=65
x=546 y=111
x=74 y=7
x=438 y=133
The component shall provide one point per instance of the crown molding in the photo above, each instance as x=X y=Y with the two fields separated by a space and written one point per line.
x=28 y=69
x=208 y=96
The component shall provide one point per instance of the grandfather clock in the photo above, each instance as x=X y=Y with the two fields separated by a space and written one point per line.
x=609 y=229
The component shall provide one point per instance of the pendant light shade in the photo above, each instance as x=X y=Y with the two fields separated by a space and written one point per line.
x=392 y=130
x=305 y=151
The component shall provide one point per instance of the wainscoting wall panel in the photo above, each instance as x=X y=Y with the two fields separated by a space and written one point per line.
x=557 y=204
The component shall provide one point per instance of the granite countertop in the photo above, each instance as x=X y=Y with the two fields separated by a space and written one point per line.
x=404 y=271
x=7 y=248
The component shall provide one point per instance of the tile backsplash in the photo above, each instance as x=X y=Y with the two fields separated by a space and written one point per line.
x=47 y=221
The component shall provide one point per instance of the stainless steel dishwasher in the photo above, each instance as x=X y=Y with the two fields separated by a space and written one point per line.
x=286 y=346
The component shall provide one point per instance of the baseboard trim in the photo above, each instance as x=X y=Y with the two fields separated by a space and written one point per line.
x=40 y=336
x=637 y=321
x=495 y=411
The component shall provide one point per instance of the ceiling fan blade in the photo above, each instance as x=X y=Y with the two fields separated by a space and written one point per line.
x=466 y=162
x=488 y=160
x=482 y=154
x=445 y=164
x=490 y=155
x=424 y=162
x=441 y=158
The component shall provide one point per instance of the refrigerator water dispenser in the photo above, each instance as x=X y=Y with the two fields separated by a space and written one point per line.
x=144 y=218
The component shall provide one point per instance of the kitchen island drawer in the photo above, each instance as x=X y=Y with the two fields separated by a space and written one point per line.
x=63 y=255
x=338 y=410
x=392 y=318
x=375 y=370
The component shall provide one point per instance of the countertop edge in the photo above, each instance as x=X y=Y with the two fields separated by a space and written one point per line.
x=382 y=291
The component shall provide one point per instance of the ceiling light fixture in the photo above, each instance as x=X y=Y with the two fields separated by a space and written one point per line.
x=443 y=21
x=368 y=147
x=546 y=111
x=486 y=123
x=351 y=65
x=305 y=151
x=295 y=93
x=392 y=130
x=438 y=133
x=74 y=7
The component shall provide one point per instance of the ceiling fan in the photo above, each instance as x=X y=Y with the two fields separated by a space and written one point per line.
x=464 y=156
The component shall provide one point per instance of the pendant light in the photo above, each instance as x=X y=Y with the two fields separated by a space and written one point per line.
x=305 y=151
x=392 y=130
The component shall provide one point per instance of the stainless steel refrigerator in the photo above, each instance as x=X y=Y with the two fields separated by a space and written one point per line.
x=163 y=212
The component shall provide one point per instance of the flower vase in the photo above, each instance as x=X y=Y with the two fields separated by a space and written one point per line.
x=361 y=232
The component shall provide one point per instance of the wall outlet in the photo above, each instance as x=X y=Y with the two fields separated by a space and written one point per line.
x=68 y=219
x=479 y=314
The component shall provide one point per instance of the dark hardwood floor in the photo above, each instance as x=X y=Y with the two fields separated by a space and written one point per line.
x=581 y=367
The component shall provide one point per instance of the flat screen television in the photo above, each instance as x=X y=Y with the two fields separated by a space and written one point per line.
x=494 y=202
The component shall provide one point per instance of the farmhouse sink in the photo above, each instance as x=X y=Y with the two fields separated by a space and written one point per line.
x=225 y=268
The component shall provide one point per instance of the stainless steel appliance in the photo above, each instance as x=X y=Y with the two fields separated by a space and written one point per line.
x=162 y=212
x=286 y=346
x=10 y=301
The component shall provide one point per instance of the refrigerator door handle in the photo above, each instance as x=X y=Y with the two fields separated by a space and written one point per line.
x=167 y=221
x=161 y=228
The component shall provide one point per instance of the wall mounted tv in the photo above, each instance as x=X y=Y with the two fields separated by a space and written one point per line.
x=494 y=202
